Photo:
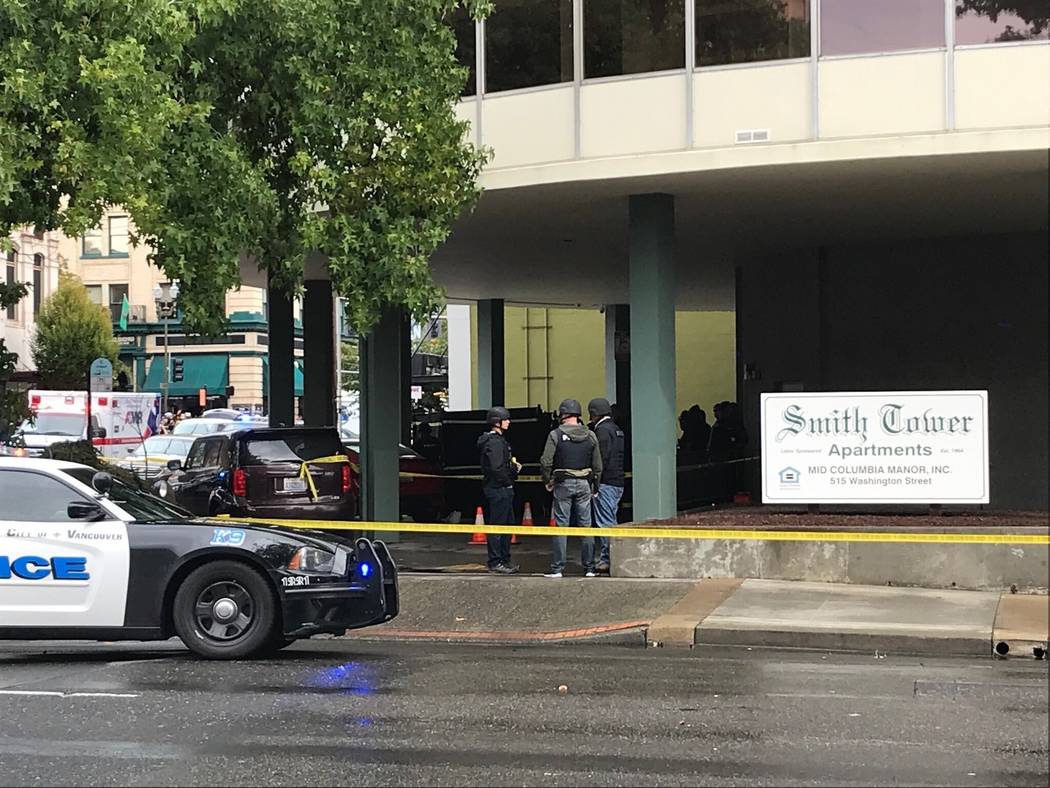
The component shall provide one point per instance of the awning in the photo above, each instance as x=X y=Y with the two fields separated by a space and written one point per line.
x=297 y=375
x=209 y=371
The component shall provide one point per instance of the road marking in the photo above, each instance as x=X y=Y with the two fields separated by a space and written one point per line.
x=633 y=532
x=54 y=694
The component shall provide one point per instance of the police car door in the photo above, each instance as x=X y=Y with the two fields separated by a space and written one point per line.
x=57 y=570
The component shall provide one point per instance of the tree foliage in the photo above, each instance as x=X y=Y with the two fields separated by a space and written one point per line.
x=14 y=409
x=267 y=128
x=1035 y=14
x=71 y=332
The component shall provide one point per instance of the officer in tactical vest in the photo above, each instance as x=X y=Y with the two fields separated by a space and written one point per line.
x=572 y=467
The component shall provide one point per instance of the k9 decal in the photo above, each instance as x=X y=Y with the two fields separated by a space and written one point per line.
x=228 y=536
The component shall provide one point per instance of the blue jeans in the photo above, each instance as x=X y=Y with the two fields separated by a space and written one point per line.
x=606 y=514
x=572 y=504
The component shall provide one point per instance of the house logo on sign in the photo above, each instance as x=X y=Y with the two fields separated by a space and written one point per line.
x=789 y=477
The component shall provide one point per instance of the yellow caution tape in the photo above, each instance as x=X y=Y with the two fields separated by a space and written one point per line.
x=635 y=532
x=304 y=471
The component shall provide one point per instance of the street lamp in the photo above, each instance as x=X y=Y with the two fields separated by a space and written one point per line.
x=166 y=297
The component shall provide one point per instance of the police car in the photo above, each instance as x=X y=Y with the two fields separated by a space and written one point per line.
x=83 y=556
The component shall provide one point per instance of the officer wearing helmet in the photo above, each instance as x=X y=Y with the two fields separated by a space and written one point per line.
x=572 y=467
x=499 y=469
x=611 y=441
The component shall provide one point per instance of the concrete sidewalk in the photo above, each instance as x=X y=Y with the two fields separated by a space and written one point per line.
x=719 y=612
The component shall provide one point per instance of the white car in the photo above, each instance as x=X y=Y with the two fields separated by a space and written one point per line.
x=153 y=456
x=200 y=426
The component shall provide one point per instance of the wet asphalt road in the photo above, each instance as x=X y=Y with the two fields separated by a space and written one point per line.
x=338 y=712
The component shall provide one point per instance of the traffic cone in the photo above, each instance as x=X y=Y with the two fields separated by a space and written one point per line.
x=526 y=519
x=478 y=538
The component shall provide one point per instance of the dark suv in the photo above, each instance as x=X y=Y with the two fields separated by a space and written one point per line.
x=283 y=473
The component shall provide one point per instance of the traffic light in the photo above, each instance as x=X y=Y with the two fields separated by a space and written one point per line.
x=177 y=370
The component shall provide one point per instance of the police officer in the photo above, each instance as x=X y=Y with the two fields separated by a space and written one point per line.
x=610 y=486
x=572 y=467
x=499 y=469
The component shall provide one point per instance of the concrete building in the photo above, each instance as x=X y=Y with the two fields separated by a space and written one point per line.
x=862 y=185
x=34 y=260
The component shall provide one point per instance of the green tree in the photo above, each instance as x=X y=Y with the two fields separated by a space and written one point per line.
x=262 y=128
x=350 y=367
x=71 y=332
x=14 y=408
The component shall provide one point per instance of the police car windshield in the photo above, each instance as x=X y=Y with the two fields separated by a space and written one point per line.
x=144 y=508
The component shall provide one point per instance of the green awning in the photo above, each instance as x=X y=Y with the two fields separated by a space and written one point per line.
x=297 y=374
x=210 y=371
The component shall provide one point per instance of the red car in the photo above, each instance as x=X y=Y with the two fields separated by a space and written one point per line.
x=422 y=488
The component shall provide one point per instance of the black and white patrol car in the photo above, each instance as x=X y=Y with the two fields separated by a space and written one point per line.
x=83 y=556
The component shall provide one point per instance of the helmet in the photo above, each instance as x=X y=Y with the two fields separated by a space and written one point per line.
x=496 y=415
x=569 y=407
x=598 y=407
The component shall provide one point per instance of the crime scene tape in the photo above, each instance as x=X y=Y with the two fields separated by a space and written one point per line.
x=635 y=532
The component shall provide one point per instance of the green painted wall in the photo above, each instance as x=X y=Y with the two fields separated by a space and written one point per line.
x=554 y=353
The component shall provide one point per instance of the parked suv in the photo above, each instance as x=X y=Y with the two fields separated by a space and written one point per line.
x=283 y=473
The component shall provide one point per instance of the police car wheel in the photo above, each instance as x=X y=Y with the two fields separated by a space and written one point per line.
x=225 y=610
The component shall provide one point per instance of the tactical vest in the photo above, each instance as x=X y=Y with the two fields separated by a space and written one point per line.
x=570 y=455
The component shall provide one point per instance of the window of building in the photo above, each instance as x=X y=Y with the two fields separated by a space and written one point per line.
x=117 y=294
x=747 y=31
x=11 y=278
x=856 y=27
x=38 y=283
x=632 y=36
x=93 y=243
x=466 y=47
x=528 y=43
x=981 y=22
x=94 y=293
x=118 y=235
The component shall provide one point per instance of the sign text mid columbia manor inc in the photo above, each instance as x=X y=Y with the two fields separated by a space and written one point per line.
x=875 y=447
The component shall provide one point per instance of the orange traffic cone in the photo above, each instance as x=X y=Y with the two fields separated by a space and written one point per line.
x=478 y=538
x=526 y=519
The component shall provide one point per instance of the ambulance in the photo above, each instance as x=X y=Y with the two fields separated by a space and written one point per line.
x=120 y=422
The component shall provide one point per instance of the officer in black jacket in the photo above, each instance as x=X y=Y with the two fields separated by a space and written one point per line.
x=499 y=469
x=610 y=487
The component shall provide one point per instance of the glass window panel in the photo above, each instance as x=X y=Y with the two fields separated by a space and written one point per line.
x=746 y=31
x=10 y=274
x=28 y=497
x=854 y=27
x=463 y=27
x=93 y=242
x=118 y=234
x=116 y=300
x=632 y=36
x=528 y=43
x=94 y=293
x=38 y=283
x=990 y=22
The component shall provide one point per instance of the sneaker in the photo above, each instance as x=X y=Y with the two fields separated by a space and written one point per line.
x=503 y=569
x=553 y=574
x=510 y=569
x=590 y=573
x=603 y=569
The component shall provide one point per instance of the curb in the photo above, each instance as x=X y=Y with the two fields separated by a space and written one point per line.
x=916 y=644
x=630 y=633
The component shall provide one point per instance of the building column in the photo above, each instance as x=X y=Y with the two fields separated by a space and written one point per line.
x=652 y=363
x=280 y=396
x=491 y=362
x=319 y=390
x=381 y=416
x=459 y=361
